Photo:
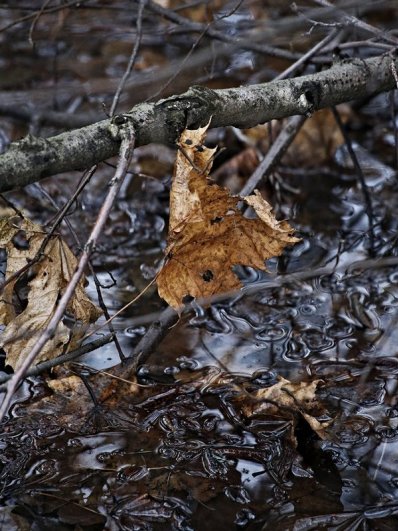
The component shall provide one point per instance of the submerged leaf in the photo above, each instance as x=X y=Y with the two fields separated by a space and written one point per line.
x=51 y=274
x=287 y=399
x=208 y=234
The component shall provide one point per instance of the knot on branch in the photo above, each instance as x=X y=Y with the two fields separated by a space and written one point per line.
x=192 y=109
x=118 y=125
x=309 y=95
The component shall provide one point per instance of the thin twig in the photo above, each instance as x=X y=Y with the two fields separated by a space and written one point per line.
x=132 y=60
x=356 y=22
x=364 y=186
x=275 y=153
x=75 y=3
x=126 y=151
x=101 y=301
x=308 y=55
x=63 y=358
x=35 y=21
x=223 y=36
x=155 y=334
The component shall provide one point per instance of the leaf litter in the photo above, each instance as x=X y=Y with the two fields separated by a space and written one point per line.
x=208 y=235
x=180 y=442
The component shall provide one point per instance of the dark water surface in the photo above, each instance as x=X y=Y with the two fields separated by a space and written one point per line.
x=178 y=453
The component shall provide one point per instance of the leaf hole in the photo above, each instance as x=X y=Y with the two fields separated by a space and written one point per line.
x=208 y=275
x=20 y=241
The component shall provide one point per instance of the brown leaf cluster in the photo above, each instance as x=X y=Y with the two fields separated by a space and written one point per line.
x=47 y=279
x=287 y=399
x=208 y=234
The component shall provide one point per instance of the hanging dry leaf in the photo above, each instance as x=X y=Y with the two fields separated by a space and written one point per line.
x=208 y=234
x=287 y=399
x=51 y=275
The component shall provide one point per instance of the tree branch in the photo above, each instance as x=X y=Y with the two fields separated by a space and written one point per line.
x=31 y=159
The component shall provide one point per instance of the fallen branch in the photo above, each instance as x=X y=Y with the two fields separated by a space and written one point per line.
x=32 y=158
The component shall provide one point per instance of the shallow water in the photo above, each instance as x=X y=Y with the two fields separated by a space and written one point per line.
x=178 y=452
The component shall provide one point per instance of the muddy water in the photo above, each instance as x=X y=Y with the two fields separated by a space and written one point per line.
x=179 y=454
x=182 y=456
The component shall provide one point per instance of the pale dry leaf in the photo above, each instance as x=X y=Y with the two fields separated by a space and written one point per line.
x=17 y=257
x=315 y=143
x=287 y=398
x=208 y=234
x=51 y=275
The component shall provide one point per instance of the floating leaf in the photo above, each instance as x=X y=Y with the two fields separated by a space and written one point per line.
x=208 y=234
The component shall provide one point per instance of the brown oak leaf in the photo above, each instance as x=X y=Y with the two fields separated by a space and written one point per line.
x=208 y=234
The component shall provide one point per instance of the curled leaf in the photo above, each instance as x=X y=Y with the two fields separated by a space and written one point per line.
x=48 y=277
x=208 y=234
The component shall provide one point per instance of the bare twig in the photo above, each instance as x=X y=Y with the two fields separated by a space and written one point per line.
x=63 y=358
x=354 y=21
x=275 y=153
x=132 y=59
x=42 y=11
x=35 y=20
x=313 y=51
x=101 y=301
x=155 y=334
x=361 y=177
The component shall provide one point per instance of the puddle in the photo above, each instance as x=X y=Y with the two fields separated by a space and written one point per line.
x=178 y=453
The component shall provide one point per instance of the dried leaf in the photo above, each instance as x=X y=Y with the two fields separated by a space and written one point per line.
x=51 y=275
x=287 y=398
x=315 y=143
x=208 y=234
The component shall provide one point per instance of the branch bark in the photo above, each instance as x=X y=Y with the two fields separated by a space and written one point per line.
x=31 y=159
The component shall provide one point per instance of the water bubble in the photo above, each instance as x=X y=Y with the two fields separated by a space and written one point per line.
x=135 y=331
x=171 y=370
x=187 y=363
x=264 y=378
x=307 y=309
x=244 y=517
x=132 y=473
x=296 y=350
x=272 y=333
x=74 y=443
x=386 y=433
x=104 y=457
x=355 y=431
